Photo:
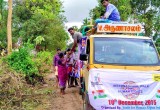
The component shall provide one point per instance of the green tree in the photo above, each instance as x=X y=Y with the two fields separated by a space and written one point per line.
x=86 y=21
x=34 y=18
x=1 y=8
x=147 y=13
x=156 y=28
x=3 y=24
x=39 y=40
x=75 y=28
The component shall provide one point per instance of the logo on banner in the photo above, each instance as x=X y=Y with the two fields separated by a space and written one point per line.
x=97 y=80
x=99 y=94
x=158 y=93
x=130 y=90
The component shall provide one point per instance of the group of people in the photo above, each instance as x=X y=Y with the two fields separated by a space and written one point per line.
x=66 y=67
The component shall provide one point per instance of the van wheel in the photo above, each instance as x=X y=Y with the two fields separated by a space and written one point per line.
x=86 y=104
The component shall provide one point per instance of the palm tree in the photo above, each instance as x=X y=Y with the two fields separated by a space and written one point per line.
x=9 y=26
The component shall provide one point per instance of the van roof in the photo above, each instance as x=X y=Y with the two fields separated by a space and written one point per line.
x=119 y=36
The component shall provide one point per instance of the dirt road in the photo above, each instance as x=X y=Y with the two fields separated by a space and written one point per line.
x=70 y=101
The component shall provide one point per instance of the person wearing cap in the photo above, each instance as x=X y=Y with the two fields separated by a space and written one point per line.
x=111 y=14
x=55 y=64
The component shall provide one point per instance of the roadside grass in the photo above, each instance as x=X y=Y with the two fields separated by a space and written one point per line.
x=16 y=94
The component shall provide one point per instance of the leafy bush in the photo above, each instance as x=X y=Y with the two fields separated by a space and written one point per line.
x=43 y=61
x=45 y=57
x=21 y=61
x=15 y=96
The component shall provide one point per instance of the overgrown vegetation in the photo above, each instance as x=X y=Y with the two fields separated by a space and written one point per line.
x=22 y=62
x=43 y=61
x=32 y=66
x=43 y=23
x=16 y=94
x=20 y=67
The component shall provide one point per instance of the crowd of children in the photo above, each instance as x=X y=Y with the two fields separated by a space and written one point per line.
x=66 y=69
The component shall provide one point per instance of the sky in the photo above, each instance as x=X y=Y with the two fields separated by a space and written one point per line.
x=77 y=10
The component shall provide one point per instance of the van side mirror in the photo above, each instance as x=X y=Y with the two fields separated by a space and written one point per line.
x=83 y=57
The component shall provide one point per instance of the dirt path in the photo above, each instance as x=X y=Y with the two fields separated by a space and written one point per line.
x=70 y=101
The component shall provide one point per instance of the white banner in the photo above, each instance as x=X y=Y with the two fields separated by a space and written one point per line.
x=124 y=90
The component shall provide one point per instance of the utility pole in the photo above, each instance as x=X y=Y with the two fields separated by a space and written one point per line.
x=9 y=27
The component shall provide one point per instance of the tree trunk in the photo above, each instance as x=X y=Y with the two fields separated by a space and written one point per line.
x=9 y=26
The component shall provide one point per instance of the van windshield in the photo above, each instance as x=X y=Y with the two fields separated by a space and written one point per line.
x=124 y=51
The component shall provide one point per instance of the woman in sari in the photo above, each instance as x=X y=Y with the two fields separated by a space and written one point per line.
x=62 y=73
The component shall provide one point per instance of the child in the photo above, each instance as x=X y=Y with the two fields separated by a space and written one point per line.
x=62 y=73
x=75 y=76
x=69 y=58
x=55 y=65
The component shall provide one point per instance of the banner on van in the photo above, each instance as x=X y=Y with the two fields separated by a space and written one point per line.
x=124 y=90
x=119 y=28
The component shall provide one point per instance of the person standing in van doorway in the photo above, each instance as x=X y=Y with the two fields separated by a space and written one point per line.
x=55 y=65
